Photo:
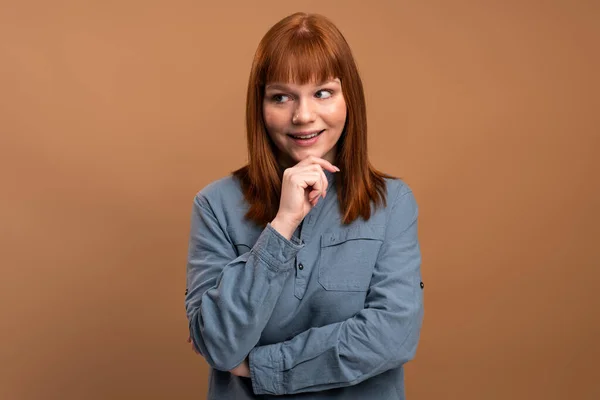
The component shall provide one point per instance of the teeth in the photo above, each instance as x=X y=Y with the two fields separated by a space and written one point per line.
x=307 y=136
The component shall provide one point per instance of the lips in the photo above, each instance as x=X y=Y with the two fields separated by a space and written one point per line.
x=305 y=135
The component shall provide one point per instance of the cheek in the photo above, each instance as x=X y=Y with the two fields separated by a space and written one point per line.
x=275 y=120
x=335 y=113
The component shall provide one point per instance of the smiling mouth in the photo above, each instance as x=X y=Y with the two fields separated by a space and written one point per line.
x=307 y=136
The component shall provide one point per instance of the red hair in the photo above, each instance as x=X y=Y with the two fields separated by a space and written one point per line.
x=302 y=48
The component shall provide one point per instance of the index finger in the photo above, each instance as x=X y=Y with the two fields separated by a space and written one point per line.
x=322 y=162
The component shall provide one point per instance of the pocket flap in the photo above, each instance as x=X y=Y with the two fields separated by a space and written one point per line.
x=242 y=237
x=356 y=232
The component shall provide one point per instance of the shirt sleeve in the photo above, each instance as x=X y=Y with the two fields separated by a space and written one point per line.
x=382 y=336
x=229 y=299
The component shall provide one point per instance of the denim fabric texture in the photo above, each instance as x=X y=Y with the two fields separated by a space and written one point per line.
x=333 y=313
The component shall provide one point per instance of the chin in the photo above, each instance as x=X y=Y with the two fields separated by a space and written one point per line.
x=300 y=157
x=320 y=152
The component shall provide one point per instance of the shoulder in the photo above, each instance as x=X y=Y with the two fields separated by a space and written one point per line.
x=396 y=190
x=224 y=186
x=401 y=210
x=220 y=192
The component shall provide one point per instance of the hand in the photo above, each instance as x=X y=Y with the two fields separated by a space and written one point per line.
x=189 y=340
x=242 y=370
x=301 y=187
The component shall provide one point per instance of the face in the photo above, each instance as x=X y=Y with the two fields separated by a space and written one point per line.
x=304 y=120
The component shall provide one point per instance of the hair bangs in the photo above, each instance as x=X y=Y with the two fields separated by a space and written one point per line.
x=301 y=59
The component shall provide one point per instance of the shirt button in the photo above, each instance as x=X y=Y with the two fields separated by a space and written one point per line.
x=422 y=285
x=300 y=266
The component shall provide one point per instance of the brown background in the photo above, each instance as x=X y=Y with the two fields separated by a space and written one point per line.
x=113 y=114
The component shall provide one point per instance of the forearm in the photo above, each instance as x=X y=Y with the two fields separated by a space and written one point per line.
x=227 y=319
x=230 y=318
x=337 y=355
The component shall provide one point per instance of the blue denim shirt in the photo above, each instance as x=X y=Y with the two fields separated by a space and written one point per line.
x=333 y=313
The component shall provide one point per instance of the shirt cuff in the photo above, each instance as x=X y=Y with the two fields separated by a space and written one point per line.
x=276 y=250
x=266 y=369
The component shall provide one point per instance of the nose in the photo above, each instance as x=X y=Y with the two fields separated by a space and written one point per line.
x=304 y=113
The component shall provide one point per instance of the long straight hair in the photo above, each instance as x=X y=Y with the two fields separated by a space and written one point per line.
x=304 y=48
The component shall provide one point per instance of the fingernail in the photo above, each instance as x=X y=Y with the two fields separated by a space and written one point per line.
x=336 y=168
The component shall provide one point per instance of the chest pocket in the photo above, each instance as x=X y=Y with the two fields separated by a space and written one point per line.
x=348 y=257
x=243 y=239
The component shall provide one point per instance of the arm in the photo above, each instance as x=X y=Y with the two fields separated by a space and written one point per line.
x=382 y=336
x=230 y=299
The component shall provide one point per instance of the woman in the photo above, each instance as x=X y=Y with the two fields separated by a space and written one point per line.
x=303 y=275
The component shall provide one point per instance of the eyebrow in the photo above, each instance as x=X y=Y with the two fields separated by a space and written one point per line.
x=282 y=86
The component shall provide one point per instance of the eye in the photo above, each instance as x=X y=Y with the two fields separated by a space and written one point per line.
x=325 y=94
x=279 y=98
